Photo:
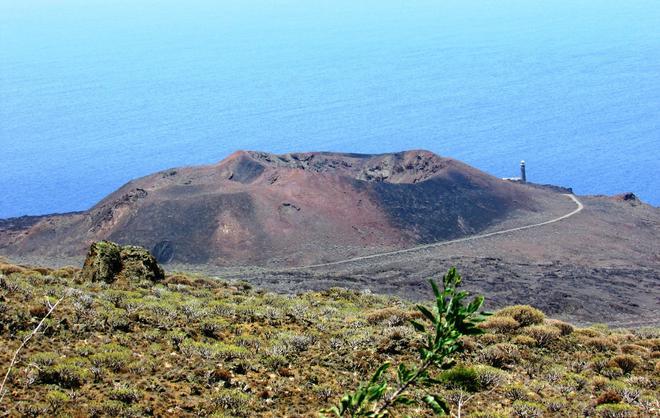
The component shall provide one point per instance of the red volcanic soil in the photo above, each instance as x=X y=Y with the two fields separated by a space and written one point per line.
x=255 y=208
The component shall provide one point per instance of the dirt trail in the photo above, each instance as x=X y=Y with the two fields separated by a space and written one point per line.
x=579 y=208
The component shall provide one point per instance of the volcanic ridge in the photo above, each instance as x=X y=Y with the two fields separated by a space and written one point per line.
x=256 y=208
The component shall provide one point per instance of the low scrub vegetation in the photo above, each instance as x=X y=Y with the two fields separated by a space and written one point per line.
x=191 y=346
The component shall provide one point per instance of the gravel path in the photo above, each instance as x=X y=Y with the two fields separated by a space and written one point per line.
x=443 y=243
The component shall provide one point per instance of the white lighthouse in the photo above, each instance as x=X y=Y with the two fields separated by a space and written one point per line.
x=523 y=175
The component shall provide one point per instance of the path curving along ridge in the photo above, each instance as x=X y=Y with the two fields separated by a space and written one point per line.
x=579 y=208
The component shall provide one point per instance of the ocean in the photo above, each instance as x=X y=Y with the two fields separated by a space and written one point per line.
x=94 y=93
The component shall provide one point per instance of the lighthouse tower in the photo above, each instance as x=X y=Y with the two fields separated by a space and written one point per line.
x=523 y=175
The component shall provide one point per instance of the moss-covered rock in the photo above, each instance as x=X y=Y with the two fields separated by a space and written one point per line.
x=138 y=263
x=103 y=262
x=108 y=262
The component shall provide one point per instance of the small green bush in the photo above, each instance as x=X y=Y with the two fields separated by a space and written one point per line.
x=611 y=371
x=57 y=399
x=232 y=400
x=190 y=348
x=626 y=362
x=489 y=377
x=125 y=394
x=109 y=408
x=524 y=314
x=516 y=392
x=274 y=362
x=524 y=340
x=229 y=352
x=461 y=377
x=212 y=327
x=44 y=359
x=543 y=334
x=445 y=323
x=117 y=319
x=500 y=355
x=563 y=327
x=526 y=409
x=600 y=344
x=615 y=411
x=114 y=360
x=65 y=375
x=500 y=324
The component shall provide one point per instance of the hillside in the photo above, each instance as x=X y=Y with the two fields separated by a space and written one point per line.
x=191 y=346
x=277 y=220
x=256 y=208
x=600 y=265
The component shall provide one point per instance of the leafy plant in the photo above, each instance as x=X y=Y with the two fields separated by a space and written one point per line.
x=446 y=322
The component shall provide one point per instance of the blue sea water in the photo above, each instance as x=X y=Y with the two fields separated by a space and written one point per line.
x=94 y=93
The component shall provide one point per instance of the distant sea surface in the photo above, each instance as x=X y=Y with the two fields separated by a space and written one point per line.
x=94 y=93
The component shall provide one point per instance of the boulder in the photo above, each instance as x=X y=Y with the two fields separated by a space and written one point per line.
x=103 y=262
x=138 y=263
x=108 y=262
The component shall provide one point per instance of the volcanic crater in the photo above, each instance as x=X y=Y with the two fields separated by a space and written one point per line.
x=257 y=208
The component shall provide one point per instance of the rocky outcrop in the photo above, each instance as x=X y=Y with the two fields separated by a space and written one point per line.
x=629 y=198
x=108 y=262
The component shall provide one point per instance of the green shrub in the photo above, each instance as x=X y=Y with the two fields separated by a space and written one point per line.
x=117 y=319
x=107 y=409
x=44 y=359
x=628 y=393
x=626 y=362
x=447 y=322
x=634 y=349
x=113 y=360
x=65 y=375
x=615 y=411
x=489 y=377
x=543 y=334
x=177 y=337
x=57 y=399
x=563 y=327
x=611 y=371
x=524 y=314
x=229 y=352
x=600 y=343
x=33 y=409
x=232 y=400
x=500 y=355
x=461 y=377
x=212 y=327
x=274 y=362
x=126 y=394
x=84 y=349
x=599 y=382
x=190 y=348
x=524 y=340
x=526 y=409
x=516 y=392
x=500 y=324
